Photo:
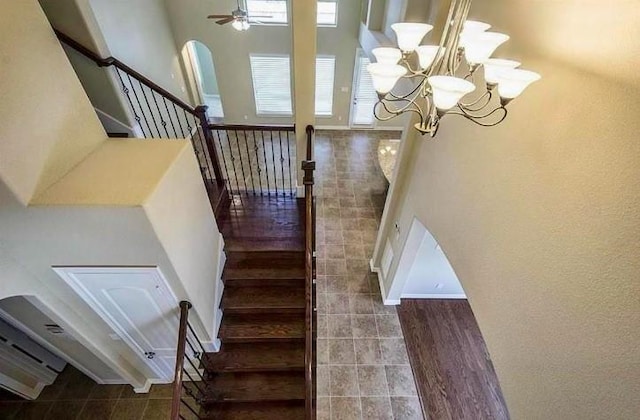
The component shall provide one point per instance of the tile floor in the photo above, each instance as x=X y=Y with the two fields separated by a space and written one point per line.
x=363 y=368
x=75 y=396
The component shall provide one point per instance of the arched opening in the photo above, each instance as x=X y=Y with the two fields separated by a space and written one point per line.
x=424 y=270
x=202 y=77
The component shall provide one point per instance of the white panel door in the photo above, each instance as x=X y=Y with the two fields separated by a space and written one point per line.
x=137 y=304
x=364 y=95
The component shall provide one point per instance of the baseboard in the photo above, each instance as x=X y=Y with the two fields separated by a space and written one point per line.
x=383 y=293
x=346 y=127
x=300 y=191
x=433 y=296
x=332 y=127
x=389 y=128
x=112 y=124
x=222 y=259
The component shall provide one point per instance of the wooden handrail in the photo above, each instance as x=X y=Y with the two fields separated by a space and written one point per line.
x=111 y=61
x=308 y=166
x=182 y=342
x=238 y=127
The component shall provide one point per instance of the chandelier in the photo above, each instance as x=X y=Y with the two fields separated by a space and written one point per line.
x=433 y=84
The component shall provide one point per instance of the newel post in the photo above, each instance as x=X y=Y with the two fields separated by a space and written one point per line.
x=201 y=112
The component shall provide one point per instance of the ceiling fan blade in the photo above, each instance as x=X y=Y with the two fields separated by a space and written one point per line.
x=227 y=20
x=218 y=16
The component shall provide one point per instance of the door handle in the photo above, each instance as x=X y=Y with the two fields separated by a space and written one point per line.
x=149 y=354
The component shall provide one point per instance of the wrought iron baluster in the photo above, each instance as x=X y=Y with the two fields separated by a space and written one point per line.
x=175 y=133
x=175 y=111
x=196 y=337
x=163 y=123
x=153 y=117
x=127 y=92
x=273 y=160
x=258 y=169
x=189 y=408
x=140 y=107
x=292 y=189
x=281 y=161
x=224 y=159
x=246 y=145
x=233 y=161
x=244 y=178
x=266 y=166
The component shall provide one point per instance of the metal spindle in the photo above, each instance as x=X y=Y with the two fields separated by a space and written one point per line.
x=258 y=169
x=196 y=337
x=281 y=161
x=126 y=91
x=233 y=162
x=149 y=108
x=266 y=167
x=246 y=145
x=163 y=123
x=224 y=160
x=140 y=107
x=244 y=178
x=175 y=111
x=273 y=160
x=190 y=409
x=169 y=116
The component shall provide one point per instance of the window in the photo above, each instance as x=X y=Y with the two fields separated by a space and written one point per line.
x=271 y=76
x=267 y=11
x=365 y=96
x=328 y=13
x=325 y=69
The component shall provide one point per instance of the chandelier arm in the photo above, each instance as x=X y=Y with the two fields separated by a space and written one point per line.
x=476 y=119
x=402 y=109
x=442 y=56
x=470 y=105
x=403 y=97
x=458 y=23
x=396 y=113
x=416 y=92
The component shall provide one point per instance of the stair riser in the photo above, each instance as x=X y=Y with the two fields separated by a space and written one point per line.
x=248 y=311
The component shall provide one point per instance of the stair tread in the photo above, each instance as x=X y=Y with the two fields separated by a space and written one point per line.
x=257 y=356
x=263 y=273
x=255 y=386
x=263 y=297
x=265 y=259
x=261 y=327
x=290 y=410
x=264 y=243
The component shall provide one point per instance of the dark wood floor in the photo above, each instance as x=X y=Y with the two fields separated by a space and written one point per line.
x=451 y=365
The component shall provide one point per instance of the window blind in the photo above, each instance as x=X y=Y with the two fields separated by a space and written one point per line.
x=275 y=10
x=327 y=13
x=325 y=70
x=271 y=84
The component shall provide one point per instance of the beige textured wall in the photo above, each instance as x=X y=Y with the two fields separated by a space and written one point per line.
x=138 y=33
x=47 y=123
x=181 y=216
x=538 y=219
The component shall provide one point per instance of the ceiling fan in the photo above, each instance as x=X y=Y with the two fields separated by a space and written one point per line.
x=239 y=18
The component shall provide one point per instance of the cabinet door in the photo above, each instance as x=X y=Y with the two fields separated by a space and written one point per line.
x=137 y=304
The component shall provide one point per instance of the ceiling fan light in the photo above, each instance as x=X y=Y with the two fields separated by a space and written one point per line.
x=385 y=76
x=427 y=54
x=237 y=25
x=448 y=90
x=410 y=34
x=385 y=55
x=512 y=82
x=245 y=25
x=493 y=66
x=479 y=46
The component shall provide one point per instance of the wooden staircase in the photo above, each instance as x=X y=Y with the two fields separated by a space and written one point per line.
x=259 y=371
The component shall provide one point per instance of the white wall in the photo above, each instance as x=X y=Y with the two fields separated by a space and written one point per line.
x=431 y=274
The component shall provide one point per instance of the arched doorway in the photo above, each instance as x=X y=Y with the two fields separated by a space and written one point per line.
x=202 y=77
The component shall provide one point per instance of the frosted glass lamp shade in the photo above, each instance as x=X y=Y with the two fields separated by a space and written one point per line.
x=426 y=55
x=512 y=82
x=410 y=34
x=448 y=90
x=385 y=76
x=478 y=47
x=474 y=27
x=386 y=55
x=493 y=66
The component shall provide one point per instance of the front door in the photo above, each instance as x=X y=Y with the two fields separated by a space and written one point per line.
x=364 y=95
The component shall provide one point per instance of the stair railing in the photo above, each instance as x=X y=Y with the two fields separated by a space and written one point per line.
x=189 y=386
x=258 y=160
x=158 y=113
x=308 y=166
